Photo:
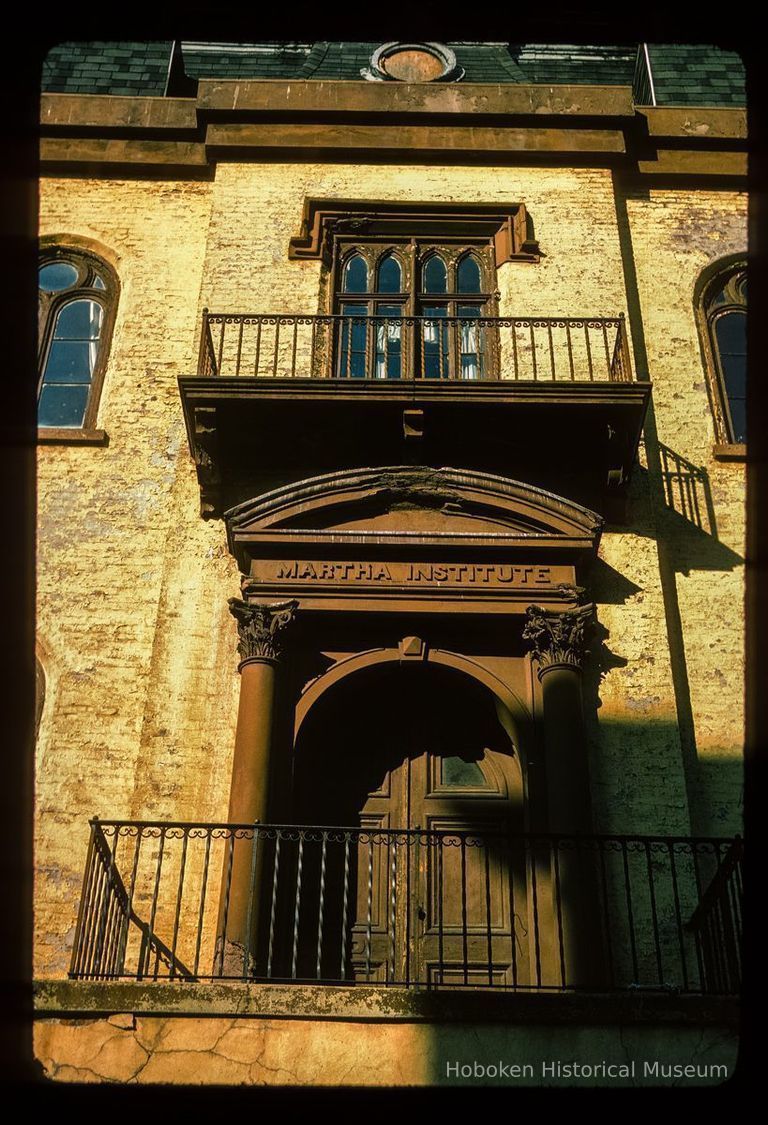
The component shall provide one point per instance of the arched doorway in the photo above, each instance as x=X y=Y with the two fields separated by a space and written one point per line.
x=425 y=885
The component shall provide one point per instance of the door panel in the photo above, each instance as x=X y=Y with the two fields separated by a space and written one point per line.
x=466 y=883
x=378 y=934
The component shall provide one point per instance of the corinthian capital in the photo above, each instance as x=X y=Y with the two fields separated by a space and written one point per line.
x=261 y=628
x=559 y=638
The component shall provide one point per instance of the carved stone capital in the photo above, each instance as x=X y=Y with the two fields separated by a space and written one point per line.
x=559 y=638
x=261 y=628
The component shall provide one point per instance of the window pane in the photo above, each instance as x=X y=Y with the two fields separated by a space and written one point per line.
x=57 y=276
x=455 y=771
x=388 y=343
x=356 y=275
x=353 y=340
x=435 y=343
x=469 y=275
x=70 y=361
x=98 y=283
x=62 y=406
x=390 y=276
x=79 y=320
x=731 y=336
x=435 y=277
x=472 y=340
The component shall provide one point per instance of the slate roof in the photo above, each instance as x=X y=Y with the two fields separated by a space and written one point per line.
x=107 y=68
x=683 y=75
x=482 y=62
x=572 y=64
x=247 y=60
x=696 y=75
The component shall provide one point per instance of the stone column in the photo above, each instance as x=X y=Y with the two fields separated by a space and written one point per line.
x=261 y=633
x=559 y=642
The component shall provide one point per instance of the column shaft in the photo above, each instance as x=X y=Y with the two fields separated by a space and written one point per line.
x=260 y=632
x=574 y=863
x=570 y=807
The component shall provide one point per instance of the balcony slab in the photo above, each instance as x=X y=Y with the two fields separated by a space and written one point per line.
x=91 y=999
x=247 y=434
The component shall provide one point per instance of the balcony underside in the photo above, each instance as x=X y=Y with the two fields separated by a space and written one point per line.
x=249 y=433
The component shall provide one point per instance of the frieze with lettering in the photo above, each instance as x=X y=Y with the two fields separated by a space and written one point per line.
x=413 y=574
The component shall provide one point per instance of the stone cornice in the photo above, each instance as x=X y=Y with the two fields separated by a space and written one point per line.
x=246 y=119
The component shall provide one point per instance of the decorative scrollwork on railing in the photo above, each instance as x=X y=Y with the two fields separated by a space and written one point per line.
x=158 y=912
x=538 y=348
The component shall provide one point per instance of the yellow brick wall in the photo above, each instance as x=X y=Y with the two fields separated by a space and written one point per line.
x=136 y=638
x=256 y=209
x=675 y=236
x=108 y=542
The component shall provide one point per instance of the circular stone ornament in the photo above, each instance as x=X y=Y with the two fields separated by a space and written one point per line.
x=413 y=62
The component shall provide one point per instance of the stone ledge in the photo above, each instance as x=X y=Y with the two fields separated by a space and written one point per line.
x=731 y=452
x=696 y=122
x=94 y=999
x=475 y=99
x=53 y=435
x=117 y=111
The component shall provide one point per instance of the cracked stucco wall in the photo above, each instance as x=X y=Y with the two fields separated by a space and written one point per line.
x=253 y=1052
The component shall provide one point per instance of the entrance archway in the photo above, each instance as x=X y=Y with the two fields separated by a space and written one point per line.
x=411 y=731
x=413 y=762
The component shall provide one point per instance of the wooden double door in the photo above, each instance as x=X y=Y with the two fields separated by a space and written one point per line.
x=431 y=884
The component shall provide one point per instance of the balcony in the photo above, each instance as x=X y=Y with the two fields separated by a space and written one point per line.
x=484 y=909
x=279 y=396
x=468 y=348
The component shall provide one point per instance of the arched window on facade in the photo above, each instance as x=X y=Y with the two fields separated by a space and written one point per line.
x=722 y=312
x=77 y=294
x=412 y=307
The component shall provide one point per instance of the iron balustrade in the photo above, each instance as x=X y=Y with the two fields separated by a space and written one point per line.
x=525 y=349
x=472 y=908
x=718 y=926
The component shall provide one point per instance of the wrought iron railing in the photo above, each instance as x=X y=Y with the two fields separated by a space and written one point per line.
x=479 y=908
x=526 y=349
x=716 y=922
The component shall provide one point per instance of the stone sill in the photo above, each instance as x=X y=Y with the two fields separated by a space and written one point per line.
x=53 y=435
x=55 y=999
x=730 y=452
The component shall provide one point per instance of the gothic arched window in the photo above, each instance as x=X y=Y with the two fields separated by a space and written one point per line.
x=413 y=308
x=77 y=294
x=723 y=322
